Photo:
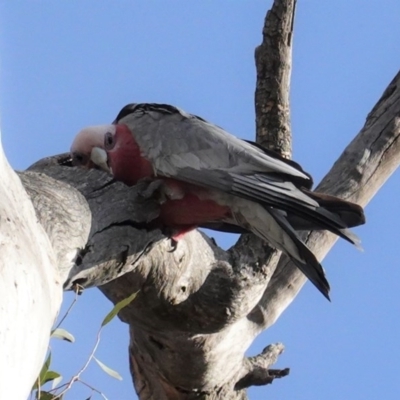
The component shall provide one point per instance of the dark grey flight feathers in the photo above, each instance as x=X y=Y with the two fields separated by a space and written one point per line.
x=268 y=194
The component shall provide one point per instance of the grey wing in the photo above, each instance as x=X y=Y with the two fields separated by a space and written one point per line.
x=271 y=225
x=270 y=192
x=172 y=139
x=190 y=149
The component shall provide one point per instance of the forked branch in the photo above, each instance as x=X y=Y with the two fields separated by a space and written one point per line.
x=199 y=307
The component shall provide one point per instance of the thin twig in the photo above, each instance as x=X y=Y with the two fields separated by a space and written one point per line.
x=69 y=309
x=76 y=377
x=94 y=389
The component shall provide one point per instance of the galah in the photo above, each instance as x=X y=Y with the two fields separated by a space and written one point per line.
x=213 y=179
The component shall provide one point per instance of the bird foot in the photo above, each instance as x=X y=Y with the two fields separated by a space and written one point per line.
x=153 y=190
x=174 y=245
x=176 y=234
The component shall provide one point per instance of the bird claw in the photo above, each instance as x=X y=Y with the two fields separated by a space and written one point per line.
x=173 y=236
x=153 y=190
x=174 y=245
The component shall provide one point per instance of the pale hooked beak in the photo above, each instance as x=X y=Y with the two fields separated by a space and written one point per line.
x=99 y=157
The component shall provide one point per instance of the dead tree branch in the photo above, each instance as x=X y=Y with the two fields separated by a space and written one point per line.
x=30 y=288
x=364 y=166
x=274 y=66
x=199 y=307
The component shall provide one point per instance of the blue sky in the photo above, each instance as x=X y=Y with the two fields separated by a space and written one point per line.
x=66 y=65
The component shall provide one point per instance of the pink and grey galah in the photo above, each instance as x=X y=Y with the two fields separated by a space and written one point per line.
x=213 y=179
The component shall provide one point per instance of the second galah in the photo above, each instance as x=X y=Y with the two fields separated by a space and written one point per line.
x=211 y=178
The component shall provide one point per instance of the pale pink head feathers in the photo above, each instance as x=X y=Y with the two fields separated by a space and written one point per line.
x=87 y=149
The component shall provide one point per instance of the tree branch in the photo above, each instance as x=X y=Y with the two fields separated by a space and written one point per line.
x=199 y=307
x=30 y=288
x=92 y=205
x=274 y=65
x=258 y=368
x=363 y=167
x=64 y=214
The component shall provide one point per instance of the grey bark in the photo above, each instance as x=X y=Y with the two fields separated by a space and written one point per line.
x=199 y=308
x=274 y=64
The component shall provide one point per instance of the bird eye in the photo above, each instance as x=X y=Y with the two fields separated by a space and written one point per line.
x=109 y=141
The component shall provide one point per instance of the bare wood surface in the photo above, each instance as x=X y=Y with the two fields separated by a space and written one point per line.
x=364 y=166
x=98 y=208
x=63 y=213
x=30 y=288
x=274 y=66
x=172 y=337
x=199 y=307
x=259 y=371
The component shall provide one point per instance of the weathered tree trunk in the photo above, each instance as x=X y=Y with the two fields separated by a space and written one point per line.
x=30 y=288
x=199 y=308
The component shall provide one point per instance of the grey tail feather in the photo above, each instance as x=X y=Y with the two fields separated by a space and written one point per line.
x=315 y=275
x=302 y=224
x=310 y=267
x=351 y=237
x=350 y=213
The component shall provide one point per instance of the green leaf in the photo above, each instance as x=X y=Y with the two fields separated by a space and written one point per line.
x=108 y=370
x=50 y=376
x=56 y=381
x=117 y=308
x=47 y=396
x=60 y=333
x=43 y=372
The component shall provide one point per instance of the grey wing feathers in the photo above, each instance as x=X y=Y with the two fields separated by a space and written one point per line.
x=189 y=148
x=309 y=264
x=140 y=109
x=173 y=139
x=272 y=193
x=271 y=225
x=298 y=182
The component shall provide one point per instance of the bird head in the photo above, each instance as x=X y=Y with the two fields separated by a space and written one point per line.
x=88 y=148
